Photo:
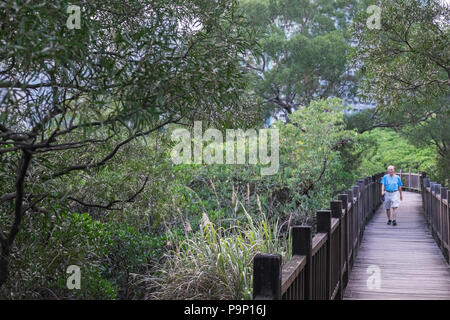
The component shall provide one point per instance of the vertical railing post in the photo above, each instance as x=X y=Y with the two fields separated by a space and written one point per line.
x=346 y=235
x=376 y=186
x=409 y=179
x=336 y=212
x=267 y=277
x=368 y=196
x=357 y=195
x=379 y=188
x=448 y=225
x=360 y=205
x=437 y=192
x=365 y=198
x=421 y=187
x=370 y=192
x=302 y=245
x=442 y=217
x=372 y=195
x=324 y=225
x=426 y=184
x=368 y=188
x=363 y=202
x=432 y=204
x=351 y=218
x=421 y=177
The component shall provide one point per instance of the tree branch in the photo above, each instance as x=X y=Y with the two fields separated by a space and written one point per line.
x=110 y=204
x=8 y=196
x=20 y=183
x=111 y=154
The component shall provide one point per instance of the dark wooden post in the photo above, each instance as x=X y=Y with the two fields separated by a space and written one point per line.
x=369 y=196
x=370 y=192
x=267 y=277
x=324 y=225
x=352 y=221
x=438 y=212
x=364 y=205
x=409 y=179
x=375 y=192
x=346 y=235
x=362 y=185
x=421 y=177
x=433 y=208
x=448 y=226
x=426 y=184
x=372 y=195
x=364 y=200
x=367 y=182
x=302 y=245
x=379 y=187
x=336 y=212
x=443 y=219
x=432 y=204
x=357 y=215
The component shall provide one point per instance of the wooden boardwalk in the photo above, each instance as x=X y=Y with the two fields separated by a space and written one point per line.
x=410 y=263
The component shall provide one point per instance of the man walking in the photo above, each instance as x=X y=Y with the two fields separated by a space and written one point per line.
x=391 y=189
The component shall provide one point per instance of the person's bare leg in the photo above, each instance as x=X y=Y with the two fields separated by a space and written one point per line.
x=388 y=213
x=394 y=213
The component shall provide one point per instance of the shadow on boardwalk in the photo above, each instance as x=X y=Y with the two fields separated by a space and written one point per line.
x=411 y=264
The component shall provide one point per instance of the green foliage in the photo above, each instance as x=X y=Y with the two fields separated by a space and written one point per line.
x=217 y=263
x=312 y=142
x=406 y=72
x=434 y=133
x=106 y=253
x=73 y=99
x=303 y=51
x=312 y=170
x=384 y=147
x=406 y=62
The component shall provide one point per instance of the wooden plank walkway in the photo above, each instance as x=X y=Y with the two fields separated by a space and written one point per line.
x=411 y=265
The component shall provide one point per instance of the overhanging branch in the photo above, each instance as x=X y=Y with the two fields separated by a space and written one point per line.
x=110 y=205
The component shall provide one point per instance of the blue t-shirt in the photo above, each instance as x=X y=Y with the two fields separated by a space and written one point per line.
x=391 y=183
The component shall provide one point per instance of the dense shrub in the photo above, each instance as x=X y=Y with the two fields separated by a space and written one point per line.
x=216 y=263
x=106 y=253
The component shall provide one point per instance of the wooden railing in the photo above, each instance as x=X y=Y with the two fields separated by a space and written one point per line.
x=411 y=181
x=320 y=265
x=437 y=212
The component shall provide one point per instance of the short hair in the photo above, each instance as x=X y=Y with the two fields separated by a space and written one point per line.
x=391 y=167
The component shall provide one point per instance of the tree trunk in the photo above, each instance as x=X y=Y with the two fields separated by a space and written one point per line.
x=6 y=243
x=4 y=267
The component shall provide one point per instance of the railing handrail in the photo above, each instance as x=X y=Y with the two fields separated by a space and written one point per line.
x=291 y=271
x=320 y=265
x=435 y=199
x=318 y=241
x=333 y=248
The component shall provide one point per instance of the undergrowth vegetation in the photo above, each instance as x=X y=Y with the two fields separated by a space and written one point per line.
x=216 y=263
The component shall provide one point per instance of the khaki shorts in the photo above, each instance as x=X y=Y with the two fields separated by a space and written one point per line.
x=391 y=199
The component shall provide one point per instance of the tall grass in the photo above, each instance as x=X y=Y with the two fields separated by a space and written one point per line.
x=217 y=263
